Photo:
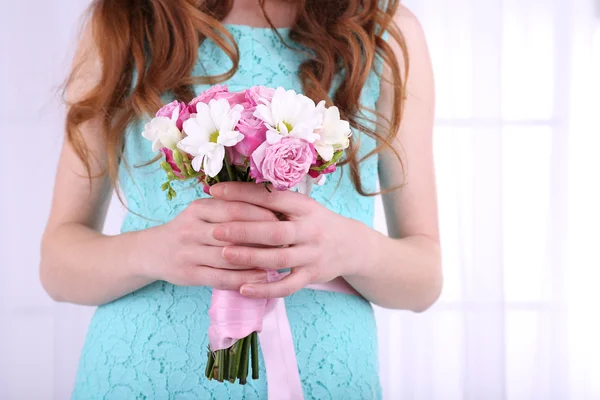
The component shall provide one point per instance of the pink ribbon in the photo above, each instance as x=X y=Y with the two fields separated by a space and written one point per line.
x=233 y=316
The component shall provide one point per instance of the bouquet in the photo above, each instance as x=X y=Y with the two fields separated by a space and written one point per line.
x=274 y=137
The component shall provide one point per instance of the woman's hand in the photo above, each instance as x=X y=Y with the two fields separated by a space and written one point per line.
x=185 y=253
x=318 y=244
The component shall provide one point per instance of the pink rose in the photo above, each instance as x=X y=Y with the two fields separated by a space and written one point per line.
x=284 y=163
x=254 y=131
x=169 y=158
x=234 y=157
x=259 y=95
x=169 y=109
x=217 y=92
x=207 y=96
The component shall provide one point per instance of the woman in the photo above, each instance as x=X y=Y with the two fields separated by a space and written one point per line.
x=153 y=282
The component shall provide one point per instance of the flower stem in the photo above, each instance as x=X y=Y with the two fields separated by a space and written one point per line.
x=226 y=365
x=234 y=360
x=231 y=366
x=254 y=346
x=220 y=365
x=210 y=365
x=229 y=169
x=243 y=371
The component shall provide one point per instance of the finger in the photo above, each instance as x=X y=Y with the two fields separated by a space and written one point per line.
x=199 y=234
x=211 y=256
x=217 y=211
x=270 y=258
x=286 y=202
x=292 y=283
x=220 y=278
x=263 y=233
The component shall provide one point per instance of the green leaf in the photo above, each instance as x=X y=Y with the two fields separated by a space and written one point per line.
x=165 y=186
x=166 y=167
x=178 y=160
x=336 y=157
x=171 y=176
x=190 y=170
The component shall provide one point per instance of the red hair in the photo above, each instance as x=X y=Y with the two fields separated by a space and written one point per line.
x=160 y=39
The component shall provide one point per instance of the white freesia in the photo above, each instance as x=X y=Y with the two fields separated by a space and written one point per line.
x=209 y=132
x=163 y=132
x=290 y=114
x=306 y=185
x=334 y=134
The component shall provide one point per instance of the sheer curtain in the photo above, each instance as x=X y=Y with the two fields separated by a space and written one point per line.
x=519 y=199
x=515 y=144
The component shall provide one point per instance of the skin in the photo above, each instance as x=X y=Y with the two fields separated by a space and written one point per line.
x=222 y=242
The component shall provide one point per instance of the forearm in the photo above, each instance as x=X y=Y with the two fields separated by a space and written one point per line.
x=82 y=266
x=398 y=273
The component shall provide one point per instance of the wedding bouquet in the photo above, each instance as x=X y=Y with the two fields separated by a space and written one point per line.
x=276 y=137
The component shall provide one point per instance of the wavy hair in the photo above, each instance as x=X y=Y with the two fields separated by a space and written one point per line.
x=160 y=40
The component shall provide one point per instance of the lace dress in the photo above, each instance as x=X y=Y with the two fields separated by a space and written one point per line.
x=151 y=344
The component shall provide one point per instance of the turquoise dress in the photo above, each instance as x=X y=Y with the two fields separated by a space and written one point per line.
x=151 y=344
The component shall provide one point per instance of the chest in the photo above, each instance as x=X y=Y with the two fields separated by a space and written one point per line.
x=249 y=12
x=266 y=57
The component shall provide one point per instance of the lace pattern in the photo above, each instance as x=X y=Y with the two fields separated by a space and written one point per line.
x=152 y=343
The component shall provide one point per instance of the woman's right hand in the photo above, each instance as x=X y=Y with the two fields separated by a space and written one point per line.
x=184 y=253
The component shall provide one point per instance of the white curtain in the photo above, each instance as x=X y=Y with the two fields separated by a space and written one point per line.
x=515 y=142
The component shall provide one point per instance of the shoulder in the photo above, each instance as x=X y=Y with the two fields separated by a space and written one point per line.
x=407 y=19
x=411 y=52
x=413 y=40
x=86 y=69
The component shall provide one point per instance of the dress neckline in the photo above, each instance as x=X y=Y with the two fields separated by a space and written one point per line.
x=264 y=29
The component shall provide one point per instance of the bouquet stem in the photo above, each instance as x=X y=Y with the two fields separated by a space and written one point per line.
x=254 y=346
x=220 y=366
x=234 y=363
x=243 y=372
x=210 y=365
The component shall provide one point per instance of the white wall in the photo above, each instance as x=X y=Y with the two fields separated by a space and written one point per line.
x=37 y=349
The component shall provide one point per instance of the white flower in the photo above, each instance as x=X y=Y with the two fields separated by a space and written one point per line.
x=209 y=132
x=163 y=132
x=306 y=185
x=290 y=114
x=335 y=133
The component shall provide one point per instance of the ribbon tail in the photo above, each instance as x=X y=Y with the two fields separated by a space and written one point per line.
x=283 y=378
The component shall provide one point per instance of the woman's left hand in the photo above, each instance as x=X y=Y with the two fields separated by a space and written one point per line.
x=316 y=243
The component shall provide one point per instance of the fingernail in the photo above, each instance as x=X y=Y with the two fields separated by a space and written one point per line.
x=229 y=253
x=218 y=190
x=247 y=291
x=220 y=232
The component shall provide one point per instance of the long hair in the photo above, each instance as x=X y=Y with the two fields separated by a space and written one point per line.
x=159 y=39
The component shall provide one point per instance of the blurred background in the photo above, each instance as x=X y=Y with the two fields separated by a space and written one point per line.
x=516 y=145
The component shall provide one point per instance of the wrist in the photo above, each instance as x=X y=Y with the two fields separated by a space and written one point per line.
x=139 y=258
x=367 y=242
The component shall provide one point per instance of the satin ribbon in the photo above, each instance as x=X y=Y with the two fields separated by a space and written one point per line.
x=234 y=316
